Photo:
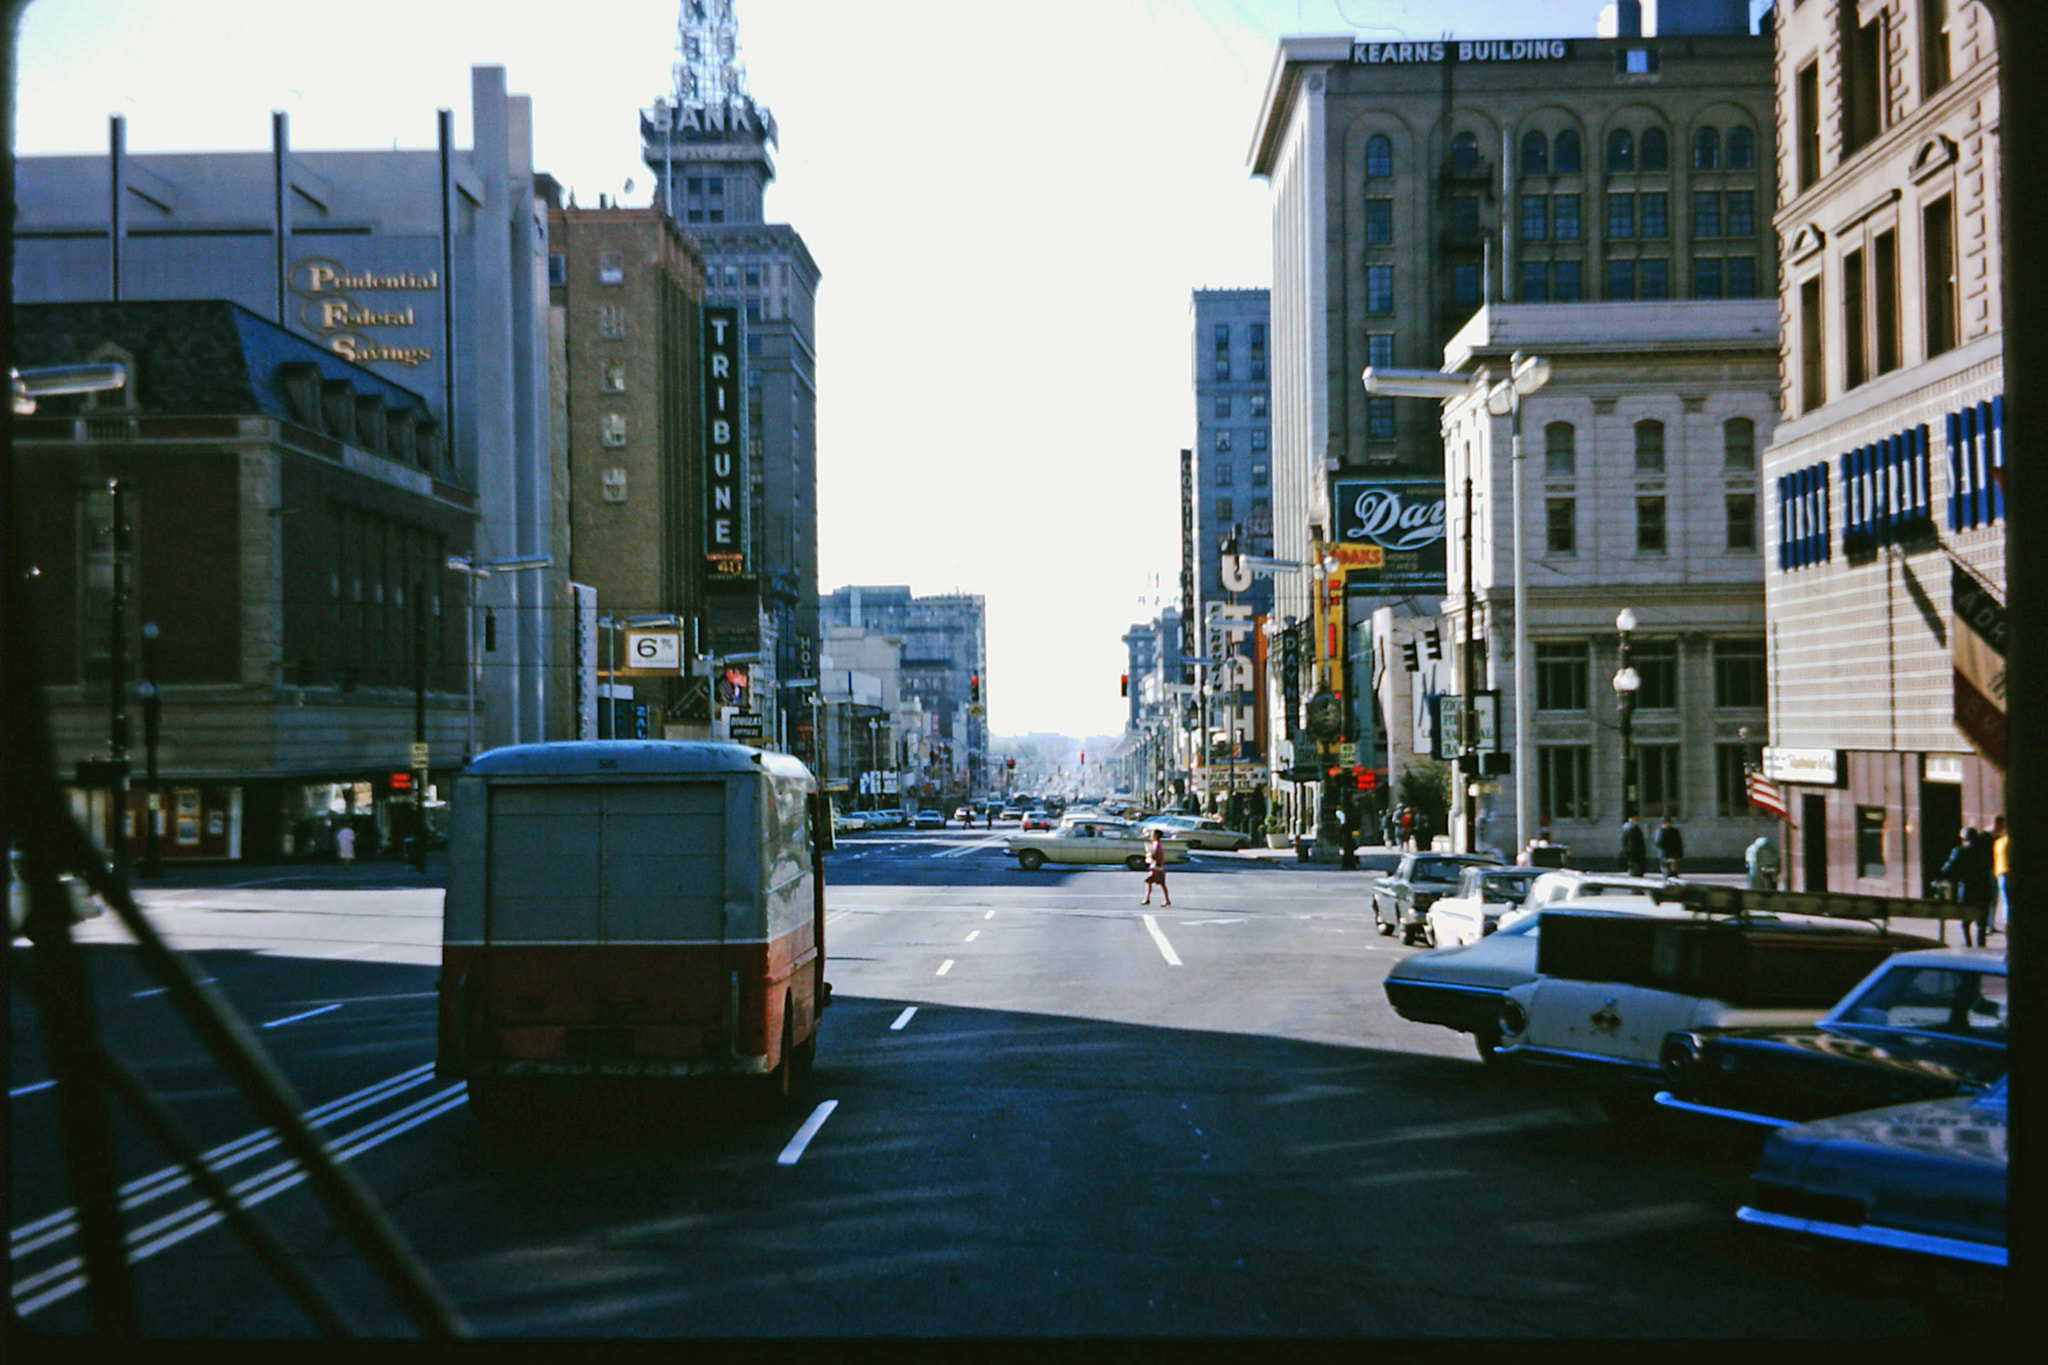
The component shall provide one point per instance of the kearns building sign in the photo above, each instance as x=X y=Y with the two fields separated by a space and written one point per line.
x=358 y=313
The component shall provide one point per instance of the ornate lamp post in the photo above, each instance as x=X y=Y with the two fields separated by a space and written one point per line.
x=1626 y=682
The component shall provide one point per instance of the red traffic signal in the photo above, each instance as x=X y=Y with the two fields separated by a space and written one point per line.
x=1123 y=684
x=1010 y=763
x=1368 y=778
x=401 y=782
x=974 y=687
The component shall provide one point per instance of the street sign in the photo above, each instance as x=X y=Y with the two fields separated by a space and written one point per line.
x=1347 y=755
x=652 y=650
x=418 y=751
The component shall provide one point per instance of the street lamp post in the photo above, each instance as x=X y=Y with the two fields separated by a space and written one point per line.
x=152 y=728
x=472 y=572
x=1626 y=682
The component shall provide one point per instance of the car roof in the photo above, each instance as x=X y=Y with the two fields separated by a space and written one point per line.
x=1975 y=959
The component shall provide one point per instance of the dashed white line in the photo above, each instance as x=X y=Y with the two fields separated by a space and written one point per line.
x=903 y=1018
x=1165 y=948
x=795 y=1150
x=293 y=1019
x=945 y=966
x=990 y=915
x=973 y=934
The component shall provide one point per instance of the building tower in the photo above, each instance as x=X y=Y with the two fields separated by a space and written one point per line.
x=708 y=144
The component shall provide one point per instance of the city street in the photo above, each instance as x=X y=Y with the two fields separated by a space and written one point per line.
x=1040 y=1109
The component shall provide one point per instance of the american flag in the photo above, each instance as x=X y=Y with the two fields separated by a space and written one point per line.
x=1764 y=792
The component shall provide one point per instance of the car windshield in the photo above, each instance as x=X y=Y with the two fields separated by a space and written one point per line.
x=1436 y=870
x=1508 y=890
x=1939 y=999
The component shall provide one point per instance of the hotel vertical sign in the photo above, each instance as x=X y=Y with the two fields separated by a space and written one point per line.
x=725 y=438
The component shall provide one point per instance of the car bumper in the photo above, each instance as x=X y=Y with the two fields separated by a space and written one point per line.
x=1665 y=1099
x=1879 y=1237
x=1469 y=1009
x=1595 y=1066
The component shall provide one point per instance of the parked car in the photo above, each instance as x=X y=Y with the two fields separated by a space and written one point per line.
x=1555 y=887
x=1922 y=1026
x=1036 y=819
x=1402 y=897
x=1462 y=988
x=1609 y=989
x=1924 y=1183
x=1484 y=894
x=1088 y=841
x=847 y=821
x=1201 y=831
x=928 y=819
x=1010 y=812
x=887 y=817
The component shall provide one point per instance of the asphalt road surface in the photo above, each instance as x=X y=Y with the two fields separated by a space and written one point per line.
x=1040 y=1109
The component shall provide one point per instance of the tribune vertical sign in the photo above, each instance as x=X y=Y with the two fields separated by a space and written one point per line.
x=725 y=440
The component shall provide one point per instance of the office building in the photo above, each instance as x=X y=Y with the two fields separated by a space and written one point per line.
x=943 y=668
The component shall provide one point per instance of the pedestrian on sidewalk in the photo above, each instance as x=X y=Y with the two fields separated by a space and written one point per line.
x=345 y=845
x=1670 y=846
x=1155 y=867
x=1998 y=907
x=1969 y=867
x=1761 y=858
x=1635 y=848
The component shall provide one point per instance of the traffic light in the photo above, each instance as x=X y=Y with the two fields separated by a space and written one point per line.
x=1365 y=779
x=1123 y=684
x=974 y=687
x=1343 y=779
x=401 y=782
x=1011 y=764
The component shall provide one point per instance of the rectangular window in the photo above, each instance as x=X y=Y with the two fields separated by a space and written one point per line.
x=611 y=267
x=1739 y=673
x=1465 y=216
x=1535 y=217
x=612 y=429
x=1560 y=526
x=1731 y=781
x=1565 y=216
x=1621 y=215
x=1259 y=440
x=1379 y=349
x=1564 y=782
x=1706 y=277
x=1379 y=419
x=1812 y=347
x=1656 y=278
x=558 y=268
x=1656 y=215
x=1706 y=215
x=1741 y=213
x=1854 y=354
x=1884 y=259
x=611 y=322
x=1379 y=289
x=1741 y=521
x=614 y=376
x=1806 y=117
x=1621 y=280
x=1379 y=222
x=1742 y=277
x=1656 y=663
x=1934 y=59
x=1223 y=407
x=753 y=277
x=1223 y=439
x=1649 y=439
x=1222 y=369
x=1258 y=350
x=1226 y=513
x=1863 y=87
x=1560 y=450
x=1561 y=676
x=1224 y=475
x=1258 y=405
x=1535 y=282
x=1650 y=526
x=1465 y=282
x=1261 y=475
x=1569 y=284
x=1938 y=262
x=1657 y=778
x=1870 y=841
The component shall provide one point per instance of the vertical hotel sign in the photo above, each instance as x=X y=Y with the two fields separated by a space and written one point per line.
x=725 y=437
x=1977 y=645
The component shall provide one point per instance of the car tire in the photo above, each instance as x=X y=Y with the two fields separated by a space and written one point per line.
x=776 y=1086
x=1386 y=929
x=1429 y=933
x=1486 y=1039
x=1632 y=1111
x=1136 y=862
x=1031 y=860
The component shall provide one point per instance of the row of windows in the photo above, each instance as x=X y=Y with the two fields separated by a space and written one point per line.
x=1224 y=405
x=1626 y=151
x=1645 y=279
x=1223 y=439
x=1226 y=510
x=1561 y=459
x=1647 y=215
x=1561 y=524
x=1256 y=345
x=1863 y=74
x=1564 y=785
x=1224 y=474
x=1564 y=674
x=1870 y=291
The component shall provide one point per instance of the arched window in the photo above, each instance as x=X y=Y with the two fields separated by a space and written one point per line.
x=1741 y=150
x=1567 y=153
x=1621 y=151
x=1649 y=445
x=1379 y=157
x=1656 y=150
x=1560 y=449
x=1465 y=152
x=1738 y=443
x=1706 y=150
x=1535 y=154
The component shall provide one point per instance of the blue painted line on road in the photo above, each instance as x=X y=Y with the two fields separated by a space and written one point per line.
x=30 y=1089
x=293 y=1019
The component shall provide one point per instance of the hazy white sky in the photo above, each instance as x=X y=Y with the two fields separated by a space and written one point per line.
x=1010 y=205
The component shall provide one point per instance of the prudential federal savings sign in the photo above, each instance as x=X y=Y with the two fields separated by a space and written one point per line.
x=1405 y=520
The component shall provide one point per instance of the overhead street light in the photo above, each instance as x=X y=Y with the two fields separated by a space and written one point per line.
x=473 y=571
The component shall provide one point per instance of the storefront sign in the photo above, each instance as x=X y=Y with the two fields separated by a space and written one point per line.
x=1481 y=50
x=335 y=311
x=725 y=483
x=1808 y=767
x=1390 y=535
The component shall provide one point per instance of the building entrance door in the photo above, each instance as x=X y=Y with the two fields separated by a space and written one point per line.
x=1813 y=843
x=1941 y=824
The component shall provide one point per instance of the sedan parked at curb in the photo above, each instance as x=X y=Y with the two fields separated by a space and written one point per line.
x=1484 y=894
x=1402 y=898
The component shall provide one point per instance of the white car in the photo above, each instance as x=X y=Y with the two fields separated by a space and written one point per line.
x=1099 y=842
x=1610 y=989
x=1560 y=886
x=1200 y=831
x=1484 y=895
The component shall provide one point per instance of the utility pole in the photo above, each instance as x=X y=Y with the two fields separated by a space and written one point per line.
x=1468 y=761
x=419 y=728
x=117 y=680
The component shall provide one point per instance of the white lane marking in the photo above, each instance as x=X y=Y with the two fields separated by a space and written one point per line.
x=405 y=995
x=803 y=1137
x=1165 y=948
x=153 y=990
x=977 y=846
x=293 y=1019
x=30 y=1089
x=1239 y=920
x=945 y=966
x=903 y=1018
x=990 y=915
x=973 y=934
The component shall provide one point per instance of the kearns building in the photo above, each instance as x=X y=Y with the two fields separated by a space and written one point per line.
x=1884 y=514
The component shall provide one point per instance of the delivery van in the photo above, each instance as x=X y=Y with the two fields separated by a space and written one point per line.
x=634 y=909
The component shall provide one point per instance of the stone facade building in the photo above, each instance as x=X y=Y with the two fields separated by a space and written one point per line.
x=943 y=669
x=1884 y=513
